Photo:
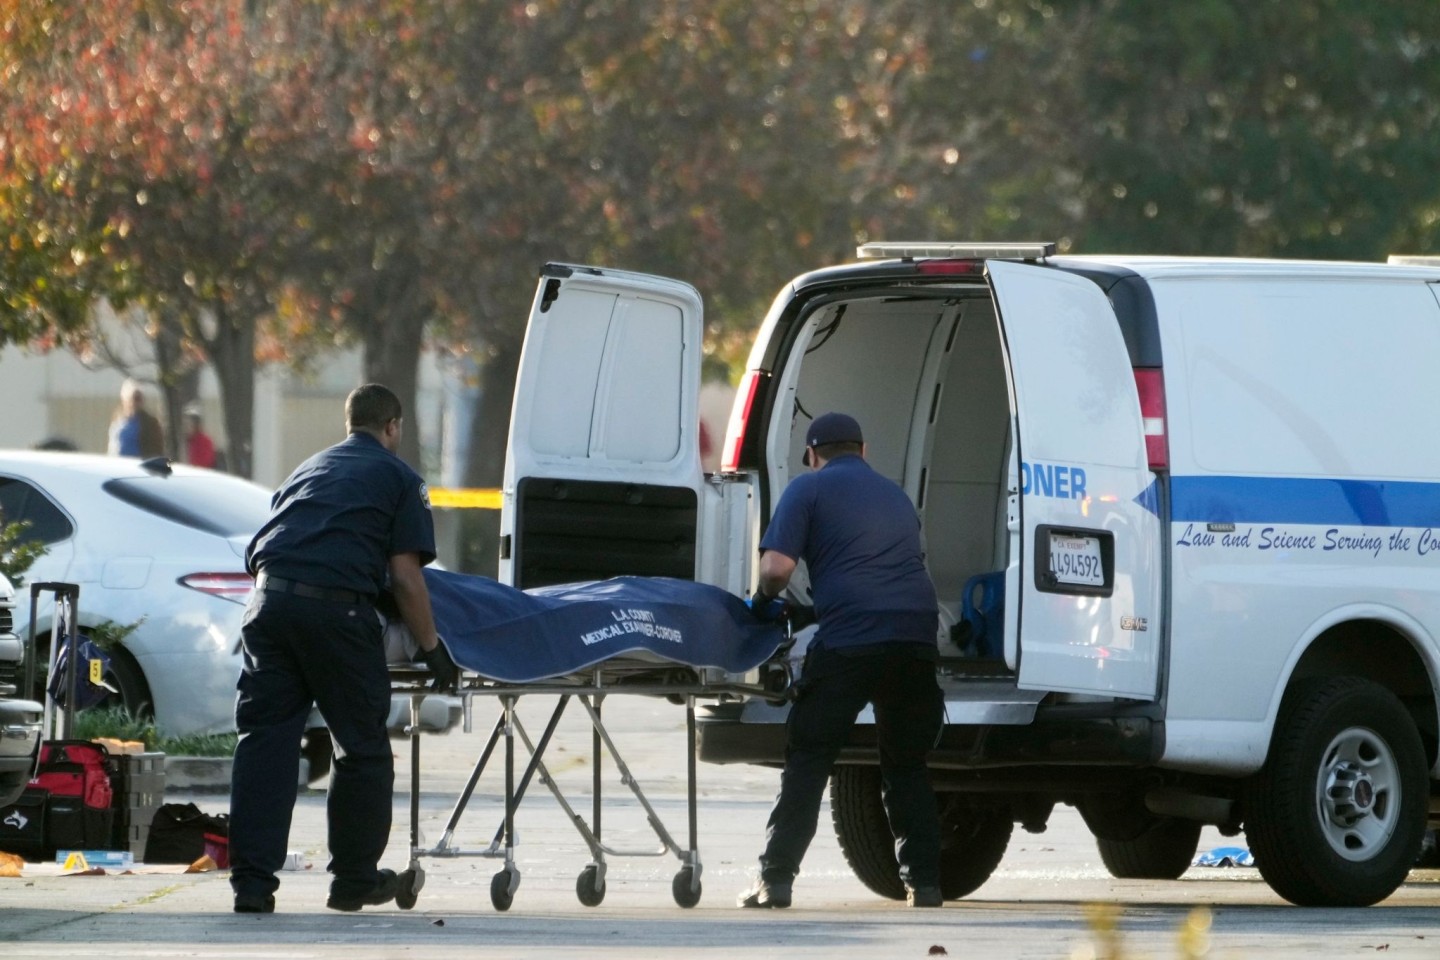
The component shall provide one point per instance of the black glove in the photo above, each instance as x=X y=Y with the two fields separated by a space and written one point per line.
x=765 y=608
x=442 y=668
x=800 y=615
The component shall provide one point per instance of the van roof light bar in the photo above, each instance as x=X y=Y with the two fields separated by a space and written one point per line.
x=956 y=251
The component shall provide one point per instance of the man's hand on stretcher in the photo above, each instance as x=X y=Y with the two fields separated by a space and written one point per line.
x=407 y=583
x=443 y=669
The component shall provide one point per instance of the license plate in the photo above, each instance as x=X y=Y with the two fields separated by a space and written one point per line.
x=1076 y=560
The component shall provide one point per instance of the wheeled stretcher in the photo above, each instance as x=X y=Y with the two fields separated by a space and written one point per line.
x=582 y=643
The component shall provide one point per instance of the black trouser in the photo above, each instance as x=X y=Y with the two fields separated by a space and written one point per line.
x=300 y=651
x=909 y=708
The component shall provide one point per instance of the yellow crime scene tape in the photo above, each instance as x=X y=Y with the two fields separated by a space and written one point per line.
x=462 y=498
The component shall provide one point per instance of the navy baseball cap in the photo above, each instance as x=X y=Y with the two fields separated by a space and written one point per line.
x=831 y=428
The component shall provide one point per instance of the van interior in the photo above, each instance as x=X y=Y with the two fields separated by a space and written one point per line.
x=925 y=376
x=924 y=373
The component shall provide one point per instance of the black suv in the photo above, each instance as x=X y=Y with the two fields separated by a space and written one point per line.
x=19 y=719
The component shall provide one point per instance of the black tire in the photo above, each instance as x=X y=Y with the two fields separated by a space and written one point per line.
x=318 y=749
x=1116 y=816
x=973 y=837
x=1164 y=851
x=132 y=691
x=1336 y=816
x=1429 y=858
x=125 y=675
x=685 y=888
x=589 y=888
x=973 y=840
x=863 y=830
x=411 y=882
x=500 y=895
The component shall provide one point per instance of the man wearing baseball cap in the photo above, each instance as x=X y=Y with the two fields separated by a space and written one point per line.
x=859 y=536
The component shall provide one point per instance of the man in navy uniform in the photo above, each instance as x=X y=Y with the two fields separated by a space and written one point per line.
x=351 y=521
x=859 y=536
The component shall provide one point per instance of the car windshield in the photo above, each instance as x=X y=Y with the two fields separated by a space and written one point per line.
x=221 y=505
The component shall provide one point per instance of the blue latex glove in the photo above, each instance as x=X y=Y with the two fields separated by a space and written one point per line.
x=764 y=608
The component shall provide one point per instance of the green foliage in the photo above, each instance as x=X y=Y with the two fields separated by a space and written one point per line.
x=1271 y=128
x=17 y=554
x=199 y=745
x=116 y=723
x=275 y=177
x=107 y=635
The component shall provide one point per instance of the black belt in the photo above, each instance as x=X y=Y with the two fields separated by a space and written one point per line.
x=276 y=585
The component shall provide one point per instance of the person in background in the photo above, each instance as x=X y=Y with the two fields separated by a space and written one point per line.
x=347 y=521
x=134 y=431
x=199 y=448
x=859 y=535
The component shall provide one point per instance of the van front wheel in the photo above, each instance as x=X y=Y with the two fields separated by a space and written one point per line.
x=1336 y=816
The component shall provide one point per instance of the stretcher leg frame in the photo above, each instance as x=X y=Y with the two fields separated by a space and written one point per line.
x=590 y=885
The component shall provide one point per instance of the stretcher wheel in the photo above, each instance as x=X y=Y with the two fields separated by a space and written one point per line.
x=411 y=882
x=685 y=888
x=500 y=894
x=589 y=886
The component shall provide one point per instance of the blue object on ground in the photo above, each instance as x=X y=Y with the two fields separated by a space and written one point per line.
x=1225 y=857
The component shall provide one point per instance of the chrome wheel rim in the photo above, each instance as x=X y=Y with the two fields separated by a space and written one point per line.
x=1358 y=794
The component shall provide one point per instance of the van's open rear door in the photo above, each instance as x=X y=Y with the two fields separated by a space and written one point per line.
x=1084 y=551
x=603 y=474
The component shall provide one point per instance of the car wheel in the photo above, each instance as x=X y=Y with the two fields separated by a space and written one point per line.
x=318 y=749
x=1336 y=816
x=125 y=675
x=1163 y=851
x=973 y=836
x=122 y=672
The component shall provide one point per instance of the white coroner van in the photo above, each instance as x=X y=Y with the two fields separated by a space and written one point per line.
x=1193 y=503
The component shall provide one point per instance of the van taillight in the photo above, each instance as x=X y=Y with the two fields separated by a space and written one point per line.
x=975 y=267
x=1150 y=383
x=739 y=420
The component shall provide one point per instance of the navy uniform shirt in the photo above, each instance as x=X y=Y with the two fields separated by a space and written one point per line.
x=859 y=536
x=341 y=516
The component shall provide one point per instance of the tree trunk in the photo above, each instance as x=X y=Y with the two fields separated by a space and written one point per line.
x=392 y=357
x=392 y=318
x=490 y=429
x=479 y=548
x=179 y=380
x=232 y=354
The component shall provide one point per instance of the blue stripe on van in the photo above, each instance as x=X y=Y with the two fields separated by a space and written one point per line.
x=1323 y=502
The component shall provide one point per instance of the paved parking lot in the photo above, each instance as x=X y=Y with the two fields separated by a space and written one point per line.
x=1039 y=904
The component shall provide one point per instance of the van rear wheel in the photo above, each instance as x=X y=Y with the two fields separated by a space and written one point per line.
x=1163 y=851
x=973 y=837
x=1336 y=816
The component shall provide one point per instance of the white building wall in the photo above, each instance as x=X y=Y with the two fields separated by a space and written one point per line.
x=53 y=394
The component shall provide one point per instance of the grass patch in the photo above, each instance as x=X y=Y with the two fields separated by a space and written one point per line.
x=200 y=745
x=117 y=723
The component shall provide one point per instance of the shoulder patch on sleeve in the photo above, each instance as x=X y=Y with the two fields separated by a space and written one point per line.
x=425 y=494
